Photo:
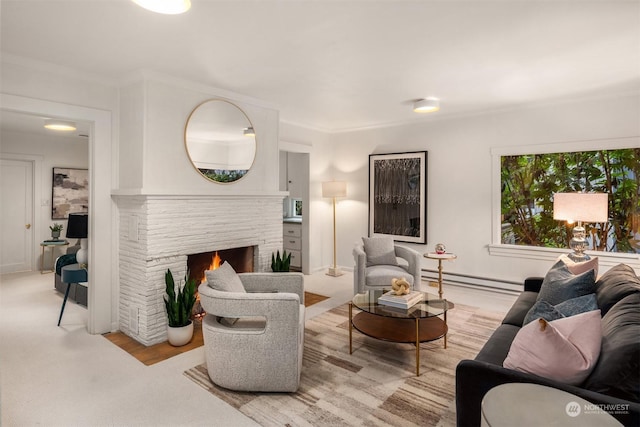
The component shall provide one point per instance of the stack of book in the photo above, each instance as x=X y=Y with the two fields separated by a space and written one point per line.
x=400 y=301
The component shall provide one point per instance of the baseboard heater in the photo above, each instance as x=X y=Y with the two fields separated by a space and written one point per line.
x=489 y=284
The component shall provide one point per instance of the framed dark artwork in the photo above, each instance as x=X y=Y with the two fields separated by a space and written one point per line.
x=70 y=192
x=398 y=196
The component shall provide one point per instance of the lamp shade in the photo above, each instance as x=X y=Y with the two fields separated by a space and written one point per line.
x=334 y=189
x=78 y=226
x=587 y=207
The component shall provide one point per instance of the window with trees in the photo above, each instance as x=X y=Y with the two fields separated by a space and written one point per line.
x=528 y=182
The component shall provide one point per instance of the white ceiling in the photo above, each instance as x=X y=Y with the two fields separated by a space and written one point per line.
x=340 y=65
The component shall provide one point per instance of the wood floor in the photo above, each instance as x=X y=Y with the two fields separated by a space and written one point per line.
x=162 y=351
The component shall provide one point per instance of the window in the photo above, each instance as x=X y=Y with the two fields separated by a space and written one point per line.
x=529 y=176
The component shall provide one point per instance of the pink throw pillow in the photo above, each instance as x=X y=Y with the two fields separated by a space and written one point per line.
x=564 y=350
x=580 y=267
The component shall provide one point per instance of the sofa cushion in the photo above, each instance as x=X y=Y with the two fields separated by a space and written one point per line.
x=617 y=372
x=614 y=285
x=497 y=347
x=564 y=350
x=380 y=250
x=520 y=308
x=560 y=284
x=580 y=267
x=570 y=307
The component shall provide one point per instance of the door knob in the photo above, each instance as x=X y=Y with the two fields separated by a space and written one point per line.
x=27 y=226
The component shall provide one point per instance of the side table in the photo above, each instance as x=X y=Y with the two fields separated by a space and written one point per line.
x=524 y=404
x=440 y=258
x=50 y=244
x=71 y=273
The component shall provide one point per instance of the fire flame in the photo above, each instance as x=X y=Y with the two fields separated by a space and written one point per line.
x=215 y=263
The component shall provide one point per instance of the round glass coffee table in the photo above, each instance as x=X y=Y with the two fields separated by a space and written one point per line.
x=419 y=323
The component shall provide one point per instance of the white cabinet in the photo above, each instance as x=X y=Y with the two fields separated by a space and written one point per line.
x=292 y=242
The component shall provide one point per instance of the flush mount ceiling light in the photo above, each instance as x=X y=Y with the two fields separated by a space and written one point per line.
x=428 y=105
x=63 y=125
x=248 y=131
x=167 y=7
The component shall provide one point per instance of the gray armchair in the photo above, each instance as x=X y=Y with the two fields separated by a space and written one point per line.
x=378 y=276
x=253 y=341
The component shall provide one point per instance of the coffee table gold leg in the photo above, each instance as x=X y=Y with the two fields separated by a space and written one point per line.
x=350 y=328
x=445 y=324
x=417 y=347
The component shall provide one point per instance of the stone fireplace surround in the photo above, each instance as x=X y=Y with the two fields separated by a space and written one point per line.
x=158 y=232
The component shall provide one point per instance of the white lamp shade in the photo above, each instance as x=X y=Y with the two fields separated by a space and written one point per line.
x=334 y=189
x=587 y=207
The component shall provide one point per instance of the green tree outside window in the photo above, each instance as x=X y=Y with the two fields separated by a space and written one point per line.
x=529 y=182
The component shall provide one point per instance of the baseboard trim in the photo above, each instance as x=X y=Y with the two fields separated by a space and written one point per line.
x=475 y=282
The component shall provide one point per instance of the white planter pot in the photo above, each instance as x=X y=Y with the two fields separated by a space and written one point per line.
x=180 y=336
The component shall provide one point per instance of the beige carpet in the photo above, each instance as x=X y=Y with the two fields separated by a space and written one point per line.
x=374 y=386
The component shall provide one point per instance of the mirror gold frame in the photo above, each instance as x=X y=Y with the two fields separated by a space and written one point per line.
x=220 y=141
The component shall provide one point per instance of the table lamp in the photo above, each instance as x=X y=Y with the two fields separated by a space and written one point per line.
x=77 y=228
x=580 y=207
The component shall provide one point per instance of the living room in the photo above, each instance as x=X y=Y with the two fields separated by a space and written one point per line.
x=579 y=96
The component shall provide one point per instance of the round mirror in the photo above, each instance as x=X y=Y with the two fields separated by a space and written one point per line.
x=220 y=141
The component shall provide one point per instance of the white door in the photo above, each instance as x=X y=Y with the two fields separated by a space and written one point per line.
x=16 y=215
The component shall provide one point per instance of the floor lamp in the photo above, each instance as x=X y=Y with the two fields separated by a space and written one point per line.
x=334 y=189
x=587 y=207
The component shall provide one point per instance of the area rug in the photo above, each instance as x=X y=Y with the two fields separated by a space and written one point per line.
x=376 y=385
x=157 y=353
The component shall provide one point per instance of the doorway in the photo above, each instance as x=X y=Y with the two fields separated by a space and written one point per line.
x=103 y=289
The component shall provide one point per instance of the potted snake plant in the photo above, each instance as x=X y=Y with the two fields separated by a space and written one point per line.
x=179 y=306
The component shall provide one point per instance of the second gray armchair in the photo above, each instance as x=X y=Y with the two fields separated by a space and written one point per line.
x=379 y=260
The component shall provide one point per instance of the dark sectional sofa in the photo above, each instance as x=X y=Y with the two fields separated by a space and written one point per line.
x=615 y=378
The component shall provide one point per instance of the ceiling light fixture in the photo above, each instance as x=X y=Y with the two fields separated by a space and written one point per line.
x=62 y=125
x=167 y=7
x=428 y=105
x=249 y=131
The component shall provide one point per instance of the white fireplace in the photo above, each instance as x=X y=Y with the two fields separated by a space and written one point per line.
x=158 y=232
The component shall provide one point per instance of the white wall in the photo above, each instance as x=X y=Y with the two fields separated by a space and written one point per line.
x=459 y=174
x=154 y=160
x=56 y=151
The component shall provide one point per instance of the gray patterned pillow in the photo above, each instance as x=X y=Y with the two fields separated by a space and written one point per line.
x=380 y=250
x=571 y=307
x=560 y=284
